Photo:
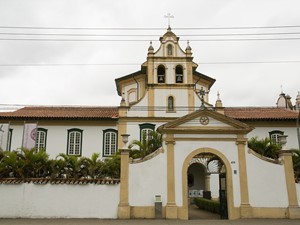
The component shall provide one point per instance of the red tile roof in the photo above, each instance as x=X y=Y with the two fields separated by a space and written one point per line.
x=261 y=113
x=99 y=113
x=85 y=113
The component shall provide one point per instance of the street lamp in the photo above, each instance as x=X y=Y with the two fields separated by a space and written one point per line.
x=125 y=139
x=282 y=139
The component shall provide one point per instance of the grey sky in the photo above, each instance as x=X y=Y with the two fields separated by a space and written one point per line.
x=239 y=84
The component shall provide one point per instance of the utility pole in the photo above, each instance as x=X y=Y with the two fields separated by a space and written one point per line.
x=298 y=131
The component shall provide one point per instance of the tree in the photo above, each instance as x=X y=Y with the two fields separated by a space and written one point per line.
x=95 y=166
x=148 y=144
x=74 y=166
x=296 y=164
x=265 y=147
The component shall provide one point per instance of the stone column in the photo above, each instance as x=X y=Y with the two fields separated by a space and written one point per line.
x=171 y=208
x=245 y=209
x=293 y=208
x=207 y=182
x=123 y=207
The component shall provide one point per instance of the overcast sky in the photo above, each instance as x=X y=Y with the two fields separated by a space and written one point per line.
x=27 y=78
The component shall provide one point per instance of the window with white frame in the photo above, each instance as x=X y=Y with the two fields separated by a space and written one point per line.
x=74 y=142
x=145 y=130
x=110 y=140
x=41 y=139
x=275 y=136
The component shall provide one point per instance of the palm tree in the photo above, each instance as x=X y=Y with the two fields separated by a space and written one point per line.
x=9 y=165
x=111 y=167
x=148 y=144
x=95 y=166
x=265 y=147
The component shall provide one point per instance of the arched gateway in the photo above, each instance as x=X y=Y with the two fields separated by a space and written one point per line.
x=189 y=136
x=229 y=185
x=165 y=174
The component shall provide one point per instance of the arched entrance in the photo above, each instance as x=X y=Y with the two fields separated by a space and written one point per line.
x=213 y=162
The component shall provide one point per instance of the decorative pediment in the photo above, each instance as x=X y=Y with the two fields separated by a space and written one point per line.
x=205 y=121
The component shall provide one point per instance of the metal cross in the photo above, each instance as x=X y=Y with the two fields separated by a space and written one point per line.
x=201 y=94
x=169 y=16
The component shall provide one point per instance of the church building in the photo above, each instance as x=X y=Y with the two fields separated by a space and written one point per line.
x=204 y=151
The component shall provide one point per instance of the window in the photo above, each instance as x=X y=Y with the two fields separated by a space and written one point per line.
x=275 y=136
x=145 y=130
x=170 y=104
x=74 y=142
x=110 y=142
x=179 y=74
x=170 y=49
x=41 y=139
x=161 y=74
x=8 y=147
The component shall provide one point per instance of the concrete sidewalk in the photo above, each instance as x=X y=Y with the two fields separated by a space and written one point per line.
x=146 y=222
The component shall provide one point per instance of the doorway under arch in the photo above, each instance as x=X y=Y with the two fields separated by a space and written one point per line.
x=211 y=162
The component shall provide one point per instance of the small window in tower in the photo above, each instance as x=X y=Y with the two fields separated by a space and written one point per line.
x=179 y=74
x=170 y=49
x=171 y=104
x=161 y=74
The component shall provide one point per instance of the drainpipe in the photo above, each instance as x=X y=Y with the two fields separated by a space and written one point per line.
x=298 y=131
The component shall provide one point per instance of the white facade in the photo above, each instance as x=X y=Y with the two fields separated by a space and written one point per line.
x=190 y=126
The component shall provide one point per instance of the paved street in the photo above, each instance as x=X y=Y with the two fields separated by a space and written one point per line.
x=146 y=222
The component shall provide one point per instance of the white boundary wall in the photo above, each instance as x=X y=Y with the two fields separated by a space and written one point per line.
x=147 y=179
x=59 y=201
x=267 y=184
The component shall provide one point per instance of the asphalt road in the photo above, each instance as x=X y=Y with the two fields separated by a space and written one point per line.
x=147 y=222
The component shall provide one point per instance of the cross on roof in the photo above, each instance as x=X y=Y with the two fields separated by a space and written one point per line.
x=169 y=16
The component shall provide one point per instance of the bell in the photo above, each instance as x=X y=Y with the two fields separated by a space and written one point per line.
x=179 y=78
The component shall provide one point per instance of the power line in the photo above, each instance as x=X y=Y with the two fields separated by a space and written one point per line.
x=145 y=40
x=145 y=35
x=144 y=28
x=138 y=64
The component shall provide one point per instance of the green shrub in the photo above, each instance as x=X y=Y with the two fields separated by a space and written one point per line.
x=36 y=164
x=208 y=205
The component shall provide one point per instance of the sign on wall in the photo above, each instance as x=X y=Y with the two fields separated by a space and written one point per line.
x=29 y=135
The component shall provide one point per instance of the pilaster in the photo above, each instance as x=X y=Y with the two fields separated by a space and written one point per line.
x=293 y=208
x=123 y=207
x=245 y=208
x=171 y=208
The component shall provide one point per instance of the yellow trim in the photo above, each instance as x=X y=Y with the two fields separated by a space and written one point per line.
x=150 y=102
x=191 y=100
x=123 y=207
x=290 y=184
x=122 y=129
x=171 y=208
x=245 y=206
x=183 y=211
